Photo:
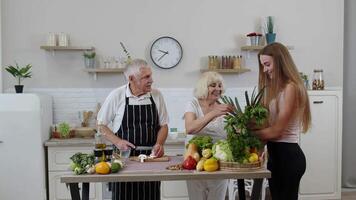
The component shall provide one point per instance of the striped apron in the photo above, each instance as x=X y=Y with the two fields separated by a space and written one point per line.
x=139 y=126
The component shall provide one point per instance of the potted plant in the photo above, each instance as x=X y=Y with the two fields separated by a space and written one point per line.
x=89 y=59
x=270 y=35
x=19 y=73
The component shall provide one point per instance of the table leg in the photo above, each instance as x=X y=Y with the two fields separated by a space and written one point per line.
x=74 y=191
x=85 y=191
x=256 y=189
x=241 y=189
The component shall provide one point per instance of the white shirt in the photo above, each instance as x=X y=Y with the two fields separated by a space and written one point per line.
x=214 y=128
x=113 y=108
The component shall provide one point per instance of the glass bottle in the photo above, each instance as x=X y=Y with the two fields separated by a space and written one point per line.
x=99 y=140
x=318 y=80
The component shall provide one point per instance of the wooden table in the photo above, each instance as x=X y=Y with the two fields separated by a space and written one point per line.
x=156 y=171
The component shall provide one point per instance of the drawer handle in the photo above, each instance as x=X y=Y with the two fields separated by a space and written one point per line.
x=1 y=141
x=318 y=102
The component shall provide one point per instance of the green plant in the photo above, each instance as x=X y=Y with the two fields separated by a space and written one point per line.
x=19 y=72
x=270 y=24
x=240 y=137
x=129 y=59
x=89 y=54
x=64 y=129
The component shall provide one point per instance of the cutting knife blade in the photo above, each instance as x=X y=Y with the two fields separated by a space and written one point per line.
x=143 y=148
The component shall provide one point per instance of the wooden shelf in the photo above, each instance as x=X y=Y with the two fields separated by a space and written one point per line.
x=257 y=48
x=105 y=70
x=227 y=71
x=73 y=48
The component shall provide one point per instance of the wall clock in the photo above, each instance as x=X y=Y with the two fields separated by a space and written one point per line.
x=166 y=52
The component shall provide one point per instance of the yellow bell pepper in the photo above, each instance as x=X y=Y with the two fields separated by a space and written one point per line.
x=211 y=165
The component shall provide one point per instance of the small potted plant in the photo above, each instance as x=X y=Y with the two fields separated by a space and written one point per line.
x=270 y=35
x=89 y=59
x=19 y=73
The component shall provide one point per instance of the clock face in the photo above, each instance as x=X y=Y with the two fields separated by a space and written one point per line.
x=166 y=52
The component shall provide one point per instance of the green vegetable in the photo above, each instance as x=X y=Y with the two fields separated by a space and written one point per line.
x=239 y=136
x=222 y=151
x=64 y=129
x=81 y=161
x=203 y=142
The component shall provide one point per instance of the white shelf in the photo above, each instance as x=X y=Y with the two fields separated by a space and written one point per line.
x=227 y=71
x=95 y=71
x=105 y=70
x=69 y=48
x=257 y=48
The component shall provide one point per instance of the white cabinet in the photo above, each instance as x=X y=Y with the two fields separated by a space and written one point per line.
x=58 y=165
x=322 y=147
x=174 y=190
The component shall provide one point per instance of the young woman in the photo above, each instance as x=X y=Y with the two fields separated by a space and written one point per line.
x=205 y=116
x=288 y=104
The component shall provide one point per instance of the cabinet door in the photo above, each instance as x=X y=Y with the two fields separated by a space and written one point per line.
x=320 y=146
x=59 y=191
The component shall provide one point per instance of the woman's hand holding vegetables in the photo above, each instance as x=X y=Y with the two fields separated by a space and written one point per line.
x=221 y=109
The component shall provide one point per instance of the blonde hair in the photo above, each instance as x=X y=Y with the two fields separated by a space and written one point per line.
x=207 y=78
x=133 y=67
x=284 y=72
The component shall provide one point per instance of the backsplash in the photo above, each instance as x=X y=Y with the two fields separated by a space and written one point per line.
x=68 y=102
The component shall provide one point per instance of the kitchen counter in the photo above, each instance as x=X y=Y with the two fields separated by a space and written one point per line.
x=83 y=142
x=156 y=171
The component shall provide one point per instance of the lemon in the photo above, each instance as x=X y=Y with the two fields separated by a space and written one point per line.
x=253 y=158
x=102 y=168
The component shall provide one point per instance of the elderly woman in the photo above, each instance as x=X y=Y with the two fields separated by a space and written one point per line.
x=205 y=116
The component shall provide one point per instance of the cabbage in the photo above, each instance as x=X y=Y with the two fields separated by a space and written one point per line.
x=222 y=151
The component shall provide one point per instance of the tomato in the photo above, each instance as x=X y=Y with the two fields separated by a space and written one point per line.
x=189 y=163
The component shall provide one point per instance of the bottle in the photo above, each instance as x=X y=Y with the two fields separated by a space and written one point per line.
x=99 y=140
x=318 y=80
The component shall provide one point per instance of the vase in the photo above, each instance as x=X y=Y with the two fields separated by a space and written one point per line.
x=89 y=62
x=18 y=88
x=270 y=38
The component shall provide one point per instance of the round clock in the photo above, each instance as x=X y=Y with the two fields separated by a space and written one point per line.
x=166 y=52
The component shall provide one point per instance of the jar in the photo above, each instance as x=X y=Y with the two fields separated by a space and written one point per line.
x=318 y=80
x=108 y=154
x=99 y=155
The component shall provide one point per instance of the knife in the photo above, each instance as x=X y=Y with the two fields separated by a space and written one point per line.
x=143 y=148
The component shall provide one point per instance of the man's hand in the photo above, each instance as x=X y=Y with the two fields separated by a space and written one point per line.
x=157 y=150
x=124 y=144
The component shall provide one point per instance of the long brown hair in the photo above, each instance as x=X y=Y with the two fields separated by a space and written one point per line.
x=284 y=72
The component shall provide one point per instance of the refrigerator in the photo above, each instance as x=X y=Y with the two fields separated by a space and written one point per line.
x=25 y=121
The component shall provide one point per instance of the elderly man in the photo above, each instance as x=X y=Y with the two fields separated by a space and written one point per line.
x=138 y=119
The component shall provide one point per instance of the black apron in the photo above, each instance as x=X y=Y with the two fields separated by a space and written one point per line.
x=139 y=126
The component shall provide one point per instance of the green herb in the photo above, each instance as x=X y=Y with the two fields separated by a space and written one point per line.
x=239 y=136
x=64 y=129
x=19 y=72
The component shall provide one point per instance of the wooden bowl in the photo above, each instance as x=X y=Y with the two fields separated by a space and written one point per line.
x=85 y=132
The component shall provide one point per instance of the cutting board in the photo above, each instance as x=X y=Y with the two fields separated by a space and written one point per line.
x=161 y=159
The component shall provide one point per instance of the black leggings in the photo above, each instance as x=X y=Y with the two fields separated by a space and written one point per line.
x=286 y=161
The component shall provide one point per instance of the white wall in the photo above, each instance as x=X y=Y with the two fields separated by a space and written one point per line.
x=314 y=28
